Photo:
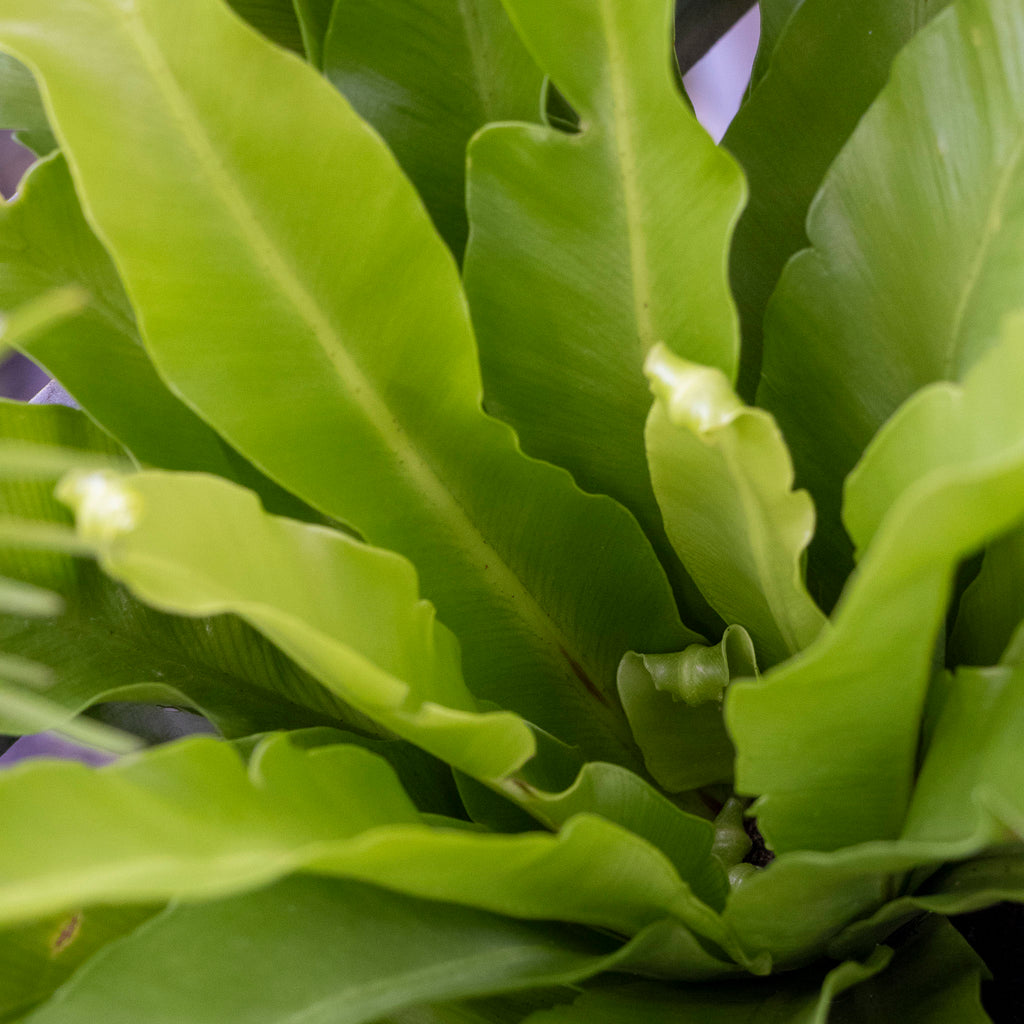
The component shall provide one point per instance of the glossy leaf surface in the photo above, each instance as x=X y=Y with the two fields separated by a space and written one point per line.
x=107 y=646
x=916 y=236
x=427 y=74
x=724 y=482
x=349 y=614
x=967 y=800
x=576 y=265
x=822 y=65
x=944 y=476
x=421 y=467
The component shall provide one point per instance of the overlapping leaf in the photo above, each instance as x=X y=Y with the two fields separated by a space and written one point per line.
x=45 y=246
x=38 y=958
x=944 y=476
x=778 y=1000
x=577 y=265
x=107 y=646
x=967 y=801
x=372 y=409
x=188 y=821
x=774 y=16
x=21 y=107
x=818 y=69
x=314 y=19
x=916 y=236
x=724 y=482
x=276 y=19
x=427 y=74
x=349 y=614
x=674 y=706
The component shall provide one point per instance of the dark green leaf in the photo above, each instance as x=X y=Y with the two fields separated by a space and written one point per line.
x=427 y=74
x=497 y=538
x=314 y=20
x=319 y=951
x=915 y=259
x=724 y=483
x=944 y=476
x=276 y=19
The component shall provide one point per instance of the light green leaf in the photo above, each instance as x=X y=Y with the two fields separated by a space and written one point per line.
x=820 y=65
x=972 y=779
x=186 y=821
x=957 y=889
x=319 y=951
x=945 y=475
x=967 y=800
x=915 y=261
x=52 y=266
x=181 y=820
x=350 y=615
x=106 y=645
x=774 y=16
x=497 y=538
x=674 y=706
x=563 y=333
x=42 y=312
x=427 y=74
x=34 y=460
x=27 y=533
x=724 y=482
x=37 y=958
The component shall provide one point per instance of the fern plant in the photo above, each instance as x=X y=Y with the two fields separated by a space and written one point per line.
x=596 y=552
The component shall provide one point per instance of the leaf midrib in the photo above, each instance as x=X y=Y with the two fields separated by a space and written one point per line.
x=361 y=391
x=993 y=224
x=625 y=145
x=476 y=47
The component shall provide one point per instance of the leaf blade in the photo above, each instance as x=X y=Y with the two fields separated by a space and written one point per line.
x=891 y=315
x=427 y=76
x=417 y=442
x=562 y=335
x=724 y=482
x=944 y=476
